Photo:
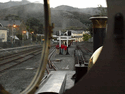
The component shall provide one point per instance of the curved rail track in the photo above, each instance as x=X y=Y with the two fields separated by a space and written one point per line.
x=50 y=64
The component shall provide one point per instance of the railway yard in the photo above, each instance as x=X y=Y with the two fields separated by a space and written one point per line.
x=18 y=67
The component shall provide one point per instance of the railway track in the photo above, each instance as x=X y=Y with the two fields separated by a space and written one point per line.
x=79 y=58
x=10 y=51
x=24 y=72
x=11 y=60
x=50 y=65
x=11 y=55
x=82 y=55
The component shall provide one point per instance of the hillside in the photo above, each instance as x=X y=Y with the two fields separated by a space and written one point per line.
x=91 y=11
x=13 y=3
x=62 y=16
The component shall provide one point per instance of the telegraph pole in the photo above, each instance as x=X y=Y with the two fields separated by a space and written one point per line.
x=14 y=26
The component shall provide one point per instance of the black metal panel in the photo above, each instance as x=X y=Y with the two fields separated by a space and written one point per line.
x=98 y=37
x=118 y=26
x=81 y=70
x=107 y=76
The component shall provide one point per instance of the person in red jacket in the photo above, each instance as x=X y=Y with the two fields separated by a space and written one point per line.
x=62 y=47
x=65 y=48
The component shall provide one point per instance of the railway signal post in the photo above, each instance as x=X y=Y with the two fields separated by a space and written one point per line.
x=13 y=36
x=67 y=53
x=24 y=32
x=68 y=34
x=59 y=42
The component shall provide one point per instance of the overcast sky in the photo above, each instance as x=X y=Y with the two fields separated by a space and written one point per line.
x=73 y=3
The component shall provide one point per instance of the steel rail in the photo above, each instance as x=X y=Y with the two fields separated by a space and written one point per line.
x=44 y=58
x=17 y=54
x=49 y=63
x=83 y=57
x=26 y=56
x=22 y=55
x=15 y=48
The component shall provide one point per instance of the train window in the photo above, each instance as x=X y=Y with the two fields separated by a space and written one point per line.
x=31 y=40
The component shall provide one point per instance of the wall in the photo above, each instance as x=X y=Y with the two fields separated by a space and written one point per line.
x=3 y=35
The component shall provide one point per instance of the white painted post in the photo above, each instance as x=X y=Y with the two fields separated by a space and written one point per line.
x=60 y=42
x=67 y=40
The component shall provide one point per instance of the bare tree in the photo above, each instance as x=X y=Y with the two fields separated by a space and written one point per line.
x=101 y=10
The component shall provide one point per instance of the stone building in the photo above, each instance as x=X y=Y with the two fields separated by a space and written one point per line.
x=9 y=23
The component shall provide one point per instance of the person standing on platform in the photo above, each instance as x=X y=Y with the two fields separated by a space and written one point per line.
x=57 y=48
x=65 y=48
x=62 y=47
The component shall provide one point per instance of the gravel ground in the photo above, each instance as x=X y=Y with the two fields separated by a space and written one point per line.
x=18 y=78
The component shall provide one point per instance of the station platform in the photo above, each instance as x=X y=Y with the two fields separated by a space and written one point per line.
x=66 y=63
x=65 y=76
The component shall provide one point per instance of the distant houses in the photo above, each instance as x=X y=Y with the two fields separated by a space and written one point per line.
x=76 y=35
x=7 y=31
x=9 y=24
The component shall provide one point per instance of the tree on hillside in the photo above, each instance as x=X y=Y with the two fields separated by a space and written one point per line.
x=82 y=17
x=102 y=10
x=12 y=17
x=86 y=37
x=35 y=25
x=89 y=28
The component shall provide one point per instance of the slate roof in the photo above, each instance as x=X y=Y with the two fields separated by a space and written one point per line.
x=76 y=32
x=3 y=28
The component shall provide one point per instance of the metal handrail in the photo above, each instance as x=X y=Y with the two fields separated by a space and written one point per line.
x=40 y=72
